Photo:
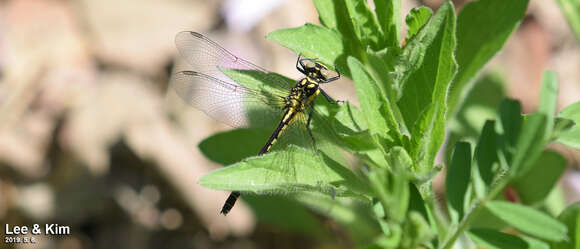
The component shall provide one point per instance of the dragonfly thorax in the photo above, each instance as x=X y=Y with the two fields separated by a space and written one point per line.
x=302 y=94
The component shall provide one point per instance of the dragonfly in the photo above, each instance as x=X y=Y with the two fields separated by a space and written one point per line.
x=216 y=85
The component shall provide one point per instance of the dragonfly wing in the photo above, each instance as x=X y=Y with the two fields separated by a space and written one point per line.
x=226 y=102
x=208 y=57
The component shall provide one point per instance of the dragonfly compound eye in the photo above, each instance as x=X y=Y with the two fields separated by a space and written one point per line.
x=308 y=65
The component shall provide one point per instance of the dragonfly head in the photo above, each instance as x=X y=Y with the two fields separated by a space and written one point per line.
x=315 y=69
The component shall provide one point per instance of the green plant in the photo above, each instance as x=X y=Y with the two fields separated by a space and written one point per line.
x=408 y=95
x=571 y=9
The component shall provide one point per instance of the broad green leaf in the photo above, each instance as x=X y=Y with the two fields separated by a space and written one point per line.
x=486 y=220
x=416 y=203
x=480 y=104
x=374 y=105
x=351 y=117
x=327 y=13
x=423 y=102
x=307 y=40
x=571 y=218
x=246 y=145
x=291 y=170
x=485 y=158
x=492 y=239
x=429 y=82
x=369 y=32
x=352 y=129
x=535 y=185
x=511 y=121
x=416 y=19
x=561 y=125
x=428 y=135
x=530 y=144
x=549 y=100
x=296 y=217
x=355 y=215
x=388 y=15
x=334 y=15
x=528 y=220
x=571 y=9
x=571 y=137
x=379 y=70
x=457 y=180
x=483 y=27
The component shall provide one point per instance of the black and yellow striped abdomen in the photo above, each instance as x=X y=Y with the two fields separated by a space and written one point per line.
x=300 y=98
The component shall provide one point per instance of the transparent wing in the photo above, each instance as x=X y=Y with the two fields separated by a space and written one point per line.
x=207 y=57
x=226 y=102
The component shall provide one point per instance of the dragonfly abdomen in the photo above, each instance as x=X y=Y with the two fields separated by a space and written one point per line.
x=287 y=119
x=230 y=202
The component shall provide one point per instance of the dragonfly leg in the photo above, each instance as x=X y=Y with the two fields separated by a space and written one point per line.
x=308 y=126
x=299 y=66
x=329 y=99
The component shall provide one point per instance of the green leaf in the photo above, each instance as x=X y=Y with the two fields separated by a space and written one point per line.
x=549 y=100
x=388 y=15
x=373 y=104
x=530 y=144
x=416 y=203
x=535 y=185
x=416 y=19
x=486 y=220
x=428 y=135
x=352 y=129
x=335 y=16
x=571 y=218
x=511 y=121
x=571 y=137
x=457 y=180
x=392 y=187
x=528 y=220
x=296 y=217
x=291 y=170
x=392 y=191
x=306 y=40
x=422 y=103
x=491 y=239
x=571 y=9
x=416 y=232
x=327 y=13
x=246 y=145
x=480 y=104
x=485 y=158
x=483 y=27
x=369 y=32
x=561 y=125
x=380 y=71
x=429 y=82
x=355 y=215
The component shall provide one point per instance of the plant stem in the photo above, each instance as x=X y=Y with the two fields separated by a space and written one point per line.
x=426 y=191
x=473 y=212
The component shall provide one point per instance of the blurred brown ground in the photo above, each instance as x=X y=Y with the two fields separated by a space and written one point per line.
x=91 y=138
